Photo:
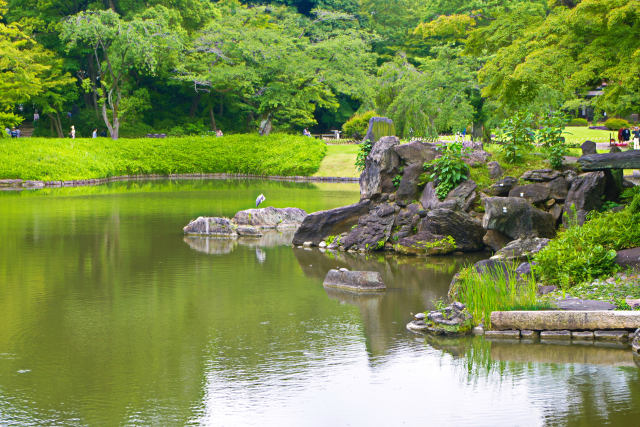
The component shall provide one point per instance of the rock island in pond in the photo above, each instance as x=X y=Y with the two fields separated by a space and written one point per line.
x=354 y=281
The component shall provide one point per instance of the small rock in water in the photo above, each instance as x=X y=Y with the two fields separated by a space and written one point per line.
x=307 y=244
x=419 y=316
x=322 y=244
x=343 y=269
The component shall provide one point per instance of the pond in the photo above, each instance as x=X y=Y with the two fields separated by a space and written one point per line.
x=109 y=315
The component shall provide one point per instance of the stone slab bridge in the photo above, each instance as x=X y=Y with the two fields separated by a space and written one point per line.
x=620 y=160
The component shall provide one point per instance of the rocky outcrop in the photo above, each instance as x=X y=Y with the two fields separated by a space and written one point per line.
x=533 y=193
x=381 y=166
x=416 y=152
x=495 y=170
x=373 y=229
x=354 y=281
x=378 y=128
x=588 y=147
x=540 y=175
x=516 y=218
x=317 y=226
x=270 y=217
x=495 y=239
x=452 y=320
x=521 y=249
x=249 y=223
x=584 y=195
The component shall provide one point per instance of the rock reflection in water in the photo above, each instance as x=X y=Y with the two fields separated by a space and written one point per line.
x=220 y=246
x=414 y=282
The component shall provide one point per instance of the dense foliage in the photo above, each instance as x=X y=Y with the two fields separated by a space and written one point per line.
x=586 y=252
x=67 y=159
x=449 y=170
x=190 y=66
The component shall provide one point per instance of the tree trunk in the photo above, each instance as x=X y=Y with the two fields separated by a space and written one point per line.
x=94 y=90
x=194 y=105
x=213 y=119
x=265 y=126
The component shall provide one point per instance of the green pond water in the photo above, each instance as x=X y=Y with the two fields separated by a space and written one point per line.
x=109 y=315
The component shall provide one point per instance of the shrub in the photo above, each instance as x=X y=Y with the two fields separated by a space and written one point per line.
x=582 y=253
x=516 y=136
x=616 y=123
x=449 y=169
x=578 y=121
x=549 y=135
x=356 y=127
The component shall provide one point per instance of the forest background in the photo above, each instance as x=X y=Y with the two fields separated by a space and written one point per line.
x=184 y=67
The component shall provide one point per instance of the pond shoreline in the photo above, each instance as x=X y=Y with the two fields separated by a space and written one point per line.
x=21 y=184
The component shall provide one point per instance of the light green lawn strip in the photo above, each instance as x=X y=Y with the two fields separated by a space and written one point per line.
x=339 y=161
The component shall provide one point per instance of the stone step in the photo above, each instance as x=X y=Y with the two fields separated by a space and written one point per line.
x=565 y=320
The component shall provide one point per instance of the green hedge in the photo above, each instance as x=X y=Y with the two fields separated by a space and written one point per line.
x=85 y=158
x=578 y=121
x=356 y=127
x=615 y=123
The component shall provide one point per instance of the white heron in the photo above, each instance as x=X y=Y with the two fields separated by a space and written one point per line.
x=260 y=199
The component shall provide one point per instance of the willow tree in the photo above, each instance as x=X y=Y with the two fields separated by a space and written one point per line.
x=120 y=47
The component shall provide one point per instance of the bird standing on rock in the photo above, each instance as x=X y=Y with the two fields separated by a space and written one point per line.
x=260 y=199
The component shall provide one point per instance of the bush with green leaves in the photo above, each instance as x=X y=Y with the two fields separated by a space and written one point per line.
x=549 y=136
x=583 y=253
x=615 y=123
x=449 y=169
x=516 y=136
x=578 y=121
x=363 y=151
x=356 y=127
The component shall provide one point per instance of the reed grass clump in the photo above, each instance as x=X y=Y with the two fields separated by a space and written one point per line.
x=496 y=289
x=50 y=159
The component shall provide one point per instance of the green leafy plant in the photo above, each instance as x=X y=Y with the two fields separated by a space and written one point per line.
x=549 y=136
x=516 y=136
x=363 y=152
x=449 y=169
x=396 y=180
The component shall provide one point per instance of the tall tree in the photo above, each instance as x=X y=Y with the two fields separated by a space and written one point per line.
x=120 y=47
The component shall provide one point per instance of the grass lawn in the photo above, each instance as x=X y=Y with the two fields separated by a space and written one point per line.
x=579 y=134
x=339 y=161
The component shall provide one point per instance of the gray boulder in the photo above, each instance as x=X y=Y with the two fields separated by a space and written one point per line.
x=381 y=166
x=516 y=218
x=416 y=152
x=533 y=193
x=211 y=226
x=540 y=175
x=373 y=230
x=477 y=157
x=318 y=225
x=558 y=188
x=521 y=249
x=502 y=187
x=460 y=198
x=434 y=230
x=452 y=320
x=495 y=239
x=495 y=171
x=354 y=281
x=408 y=188
x=588 y=147
x=628 y=258
x=584 y=195
x=407 y=221
x=270 y=217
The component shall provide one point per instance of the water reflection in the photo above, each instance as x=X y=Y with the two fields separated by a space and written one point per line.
x=220 y=246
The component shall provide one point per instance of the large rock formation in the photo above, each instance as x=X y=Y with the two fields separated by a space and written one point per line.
x=381 y=166
x=317 y=226
x=584 y=195
x=516 y=218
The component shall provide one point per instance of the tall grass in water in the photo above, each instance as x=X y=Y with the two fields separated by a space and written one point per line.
x=496 y=289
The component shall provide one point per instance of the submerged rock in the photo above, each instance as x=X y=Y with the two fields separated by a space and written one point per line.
x=354 y=281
